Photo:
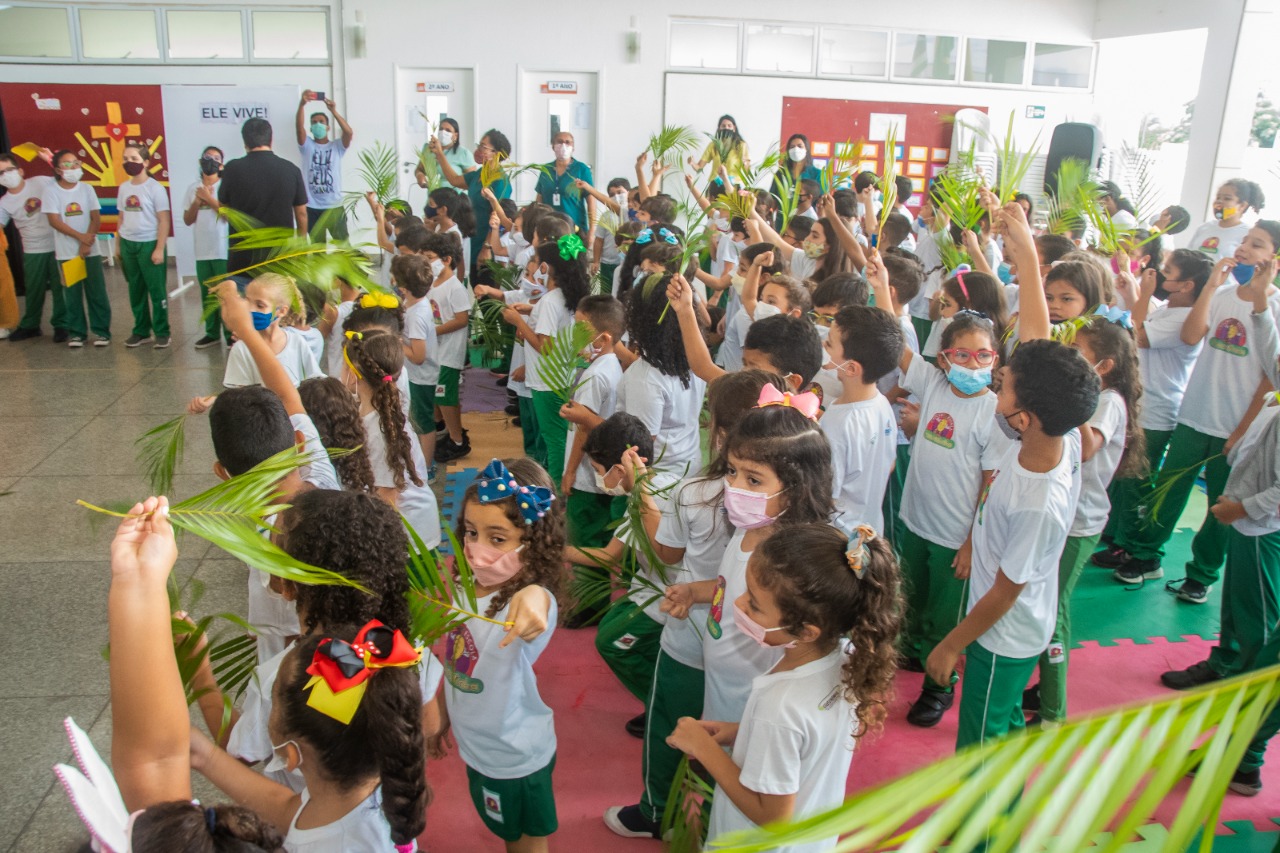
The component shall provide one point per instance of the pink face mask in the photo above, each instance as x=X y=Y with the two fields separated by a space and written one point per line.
x=492 y=566
x=754 y=629
x=747 y=510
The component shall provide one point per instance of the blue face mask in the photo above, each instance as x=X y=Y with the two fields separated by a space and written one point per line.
x=1004 y=274
x=969 y=380
x=1243 y=273
x=262 y=319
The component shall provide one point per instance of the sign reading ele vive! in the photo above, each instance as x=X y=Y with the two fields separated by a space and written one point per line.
x=232 y=113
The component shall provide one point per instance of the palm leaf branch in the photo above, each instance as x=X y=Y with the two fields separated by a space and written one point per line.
x=788 y=198
x=436 y=596
x=684 y=820
x=672 y=143
x=888 y=184
x=561 y=359
x=378 y=172
x=1163 y=483
x=159 y=452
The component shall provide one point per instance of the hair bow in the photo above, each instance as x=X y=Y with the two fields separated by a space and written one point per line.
x=959 y=269
x=340 y=669
x=94 y=793
x=379 y=300
x=352 y=336
x=570 y=246
x=647 y=235
x=806 y=404
x=496 y=483
x=971 y=312
x=856 y=553
x=1113 y=314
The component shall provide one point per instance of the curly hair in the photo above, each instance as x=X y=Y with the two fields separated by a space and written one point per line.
x=658 y=343
x=569 y=275
x=361 y=538
x=542 y=560
x=379 y=358
x=182 y=826
x=1109 y=340
x=383 y=740
x=337 y=418
x=806 y=569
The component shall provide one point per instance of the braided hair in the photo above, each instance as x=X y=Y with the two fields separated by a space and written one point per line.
x=378 y=358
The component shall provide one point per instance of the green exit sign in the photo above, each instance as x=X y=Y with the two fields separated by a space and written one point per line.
x=1035 y=112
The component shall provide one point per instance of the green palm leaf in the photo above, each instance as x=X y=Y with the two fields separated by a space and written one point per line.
x=684 y=820
x=788 y=198
x=1075 y=188
x=159 y=452
x=671 y=144
x=1059 y=788
x=840 y=166
x=1162 y=484
x=561 y=359
x=378 y=172
x=489 y=330
x=749 y=176
x=951 y=255
x=1012 y=165
x=438 y=600
x=888 y=184
x=956 y=191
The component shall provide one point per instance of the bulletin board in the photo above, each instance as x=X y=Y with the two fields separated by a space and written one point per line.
x=923 y=133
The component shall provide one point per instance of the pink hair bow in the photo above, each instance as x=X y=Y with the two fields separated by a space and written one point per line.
x=806 y=404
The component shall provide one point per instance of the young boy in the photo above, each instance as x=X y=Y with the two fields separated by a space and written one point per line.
x=864 y=344
x=451 y=308
x=730 y=354
x=412 y=273
x=905 y=279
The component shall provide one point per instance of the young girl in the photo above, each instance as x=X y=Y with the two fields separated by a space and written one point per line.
x=824 y=252
x=564 y=266
x=829 y=603
x=451 y=307
x=1111 y=444
x=512 y=530
x=373 y=362
x=967 y=291
x=1219 y=237
x=336 y=415
x=74 y=215
x=449 y=212
x=144 y=227
x=412 y=274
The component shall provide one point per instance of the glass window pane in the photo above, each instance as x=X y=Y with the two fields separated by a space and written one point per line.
x=776 y=48
x=921 y=57
x=290 y=35
x=32 y=31
x=1066 y=65
x=701 y=45
x=119 y=34
x=205 y=35
x=853 y=53
x=992 y=61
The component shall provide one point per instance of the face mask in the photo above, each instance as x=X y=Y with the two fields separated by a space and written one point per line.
x=1225 y=213
x=278 y=763
x=429 y=212
x=476 y=156
x=619 y=198
x=563 y=151
x=10 y=180
x=72 y=176
x=724 y=133
x=920 y=223
x=1002 y=421
x=738 y=282
x=319 y=131
x=492 y=566
x=813 y=250
x=133 y=169
x=445 y=137
x=1243 y=273
x=969 y=380
x=608 y=490
x=262 y=319
x=533 y=288
x=1005 y=274
x=209 y=166
x=747 y=510
x=518 y=238
x=639 y=275
x=754 y=629
x=796 y=153
x=631 y=215
x=437 y=267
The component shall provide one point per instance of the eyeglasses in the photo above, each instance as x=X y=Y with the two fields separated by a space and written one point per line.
x=7 y=171
x=480 y=145
x=75 y=165
x=943 y=302
x=961 y=357
x=824 y=320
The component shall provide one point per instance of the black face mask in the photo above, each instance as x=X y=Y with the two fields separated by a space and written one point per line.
x=1161 y=293
x=209 y=166
x=725 y=133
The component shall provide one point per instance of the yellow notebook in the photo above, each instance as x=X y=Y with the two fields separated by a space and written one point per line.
x=27 y=150
x=73 y=271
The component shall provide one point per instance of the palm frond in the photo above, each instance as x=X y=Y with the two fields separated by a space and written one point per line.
x=1012 y=165
x=673 y=143
x=1074 y=190
x=688 y=810
x=734 y=203
x=492 y=171
x=750 y=176
x=1058 y=787
x=427 y=162
x=378 y=171
x=956 y=191
x=951 y=255
x=788 y=197
x=561 y=359
x=1145 y=191
x=1162 y=485
x=840 y=166
x=888 y=174
x=489 y=330
x=438 y=600
x=159 y=452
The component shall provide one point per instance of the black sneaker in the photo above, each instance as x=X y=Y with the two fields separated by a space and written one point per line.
x=163 y=342
x=502 y=383
x=448 y=450
x=206 y=342
x=28 y=334
x=1031 y=699
x=512 y=409
x=1246 y=783
x=137 y=340
x=928 y=710
x=635 y=726
x=1112 y=558
x=1192 y=592
x=442 y=431
x=59 y=335
x=515 y=421
x=1137 y=571
x=1192 y=676
x=628 y=822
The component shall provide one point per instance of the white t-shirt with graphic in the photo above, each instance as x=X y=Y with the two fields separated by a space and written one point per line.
x=322 y=169
x=138 y=205
x=364 y=829
x=337 y=340
x=1165 y=365
x=598 y=392
x=209 y=233
x=669 y=410
x=25 y=209
x=1216 y=242
x=694 y=520
x=893 y=378
x=420 y=325
x=447 y=299
x=75 y=206
x=864 y=447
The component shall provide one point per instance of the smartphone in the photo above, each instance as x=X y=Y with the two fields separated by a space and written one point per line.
x=317 y=96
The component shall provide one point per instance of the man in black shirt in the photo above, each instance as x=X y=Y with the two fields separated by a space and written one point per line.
x=264 y=186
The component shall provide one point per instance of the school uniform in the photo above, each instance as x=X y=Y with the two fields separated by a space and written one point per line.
x=25 y=209
x=931 y=260
x=670 y=409
x=864 y=445
x=364 y=829
x=296 y=358
x=1216 y=241
x=549 y=316
x=890 y=507
x=588 y=511
x=529 y=433
x=420 y=325
x=449 y=298
x=209 y=235
x=140 y=206
x=417 y=503
x=75 y=207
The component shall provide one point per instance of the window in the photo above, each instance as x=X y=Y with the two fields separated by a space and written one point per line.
x=779 y=49
x=205 y=35
x=853 y=53
x=992 y=61
x=704 y=45
x=1068 y=66
x=922 y=57
x=35 y=31
x=290 y=35
x=118 y=34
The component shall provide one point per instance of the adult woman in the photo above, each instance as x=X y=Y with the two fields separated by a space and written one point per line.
x=457 y=155
x=728 y=148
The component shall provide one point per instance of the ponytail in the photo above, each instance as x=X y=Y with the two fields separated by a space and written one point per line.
x=393 y=705
x=378 y=358
x=192 y=828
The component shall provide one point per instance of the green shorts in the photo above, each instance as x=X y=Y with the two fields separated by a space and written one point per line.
x=513 y=808
x=447 y=390
x=422 y=404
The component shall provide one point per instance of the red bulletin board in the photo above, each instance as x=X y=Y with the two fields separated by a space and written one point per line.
x=93 y=121
x=922 y=150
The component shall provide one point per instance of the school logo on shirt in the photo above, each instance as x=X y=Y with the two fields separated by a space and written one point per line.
x=461 y=659
x=435 y=312
x=32 y=206
x=1210 y=246
x=626 y=641
x=941 y=430
x=73 y=209
x=816 y=390
x=1230 y=337
x=986 y=493
x=717 y=610
x=133 y=203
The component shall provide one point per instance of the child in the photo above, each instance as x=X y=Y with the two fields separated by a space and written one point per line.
x=21 y=205
x=336 y=415
x=1219 y=237
x=831 y=605
x=143 y=230
x=378 y=319
x=531 y=287
x=512 y=529
x=412 y=273
x=969 y=291
x=864 y=345
x=730 y=355
x=823 y=253
x=451 y=308
x=333 y=319
x=905 y=277
x=73 y=211
x=209 y=230
x=449 y=212
x=832 y=294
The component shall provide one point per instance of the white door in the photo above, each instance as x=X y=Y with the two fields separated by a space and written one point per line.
x=551 y=102
x=423 y=97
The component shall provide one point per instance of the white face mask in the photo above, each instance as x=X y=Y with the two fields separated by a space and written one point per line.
x=445 y=137
x=619 y=198
x=278 y=762
x=517 y=238
x=563 y=151
x=10 y=180
x=614 y=490
x=72 y=176
x=437 y=267
x=796 y=153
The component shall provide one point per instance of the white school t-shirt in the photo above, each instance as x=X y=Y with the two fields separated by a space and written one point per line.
x=1165 y=365
x=416 y=503
x=599 y=393
x=1111 y=418
x=1216 y=242
x=139 y=205
x=864 y=446
x=337 y=340
x=730 y=658
x=663 y=485
x=503 y=728
x=933 y=344
x=1228 y=370
x=25 y=209
x=548 y=317
x=312 y=337
x=802 y=266
x=1020 y=528
x=931 y=260
x=694 y=520
x=322 y=168
x=209 y=233
x=893 y=378
x=364 y=829
x=951 y=449
x=296 y=358
x=420 y=325
x=726 y=260
x=76 y=207
x=1262 y=518
x=729 y=356
x=669 y=410
x=449 y=298
x=796 y=737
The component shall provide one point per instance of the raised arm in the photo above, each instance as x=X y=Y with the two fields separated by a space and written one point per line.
x=1033 y=310
x=750 y=295
x=238 y=320
x=693 y=191
x=446 y=168
x=1142 y=307
x=300 y=120
x=768 y=235
x=496 y=208
x=642 y=183
x=1196 y=326
x=347 y=133
x=594 y=193
x=680 y=295
x=827 y=210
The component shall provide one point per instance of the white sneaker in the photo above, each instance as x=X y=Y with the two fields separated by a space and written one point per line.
x=4 y=333
x=76 y=343
x=102 y=342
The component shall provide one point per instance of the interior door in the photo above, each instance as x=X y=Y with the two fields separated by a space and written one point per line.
x=550 y=102
x=423 y=97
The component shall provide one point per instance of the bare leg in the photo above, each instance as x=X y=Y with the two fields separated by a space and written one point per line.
x=528 y=844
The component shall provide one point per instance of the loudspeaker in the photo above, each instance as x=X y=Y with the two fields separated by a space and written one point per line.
x=1071 y=140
